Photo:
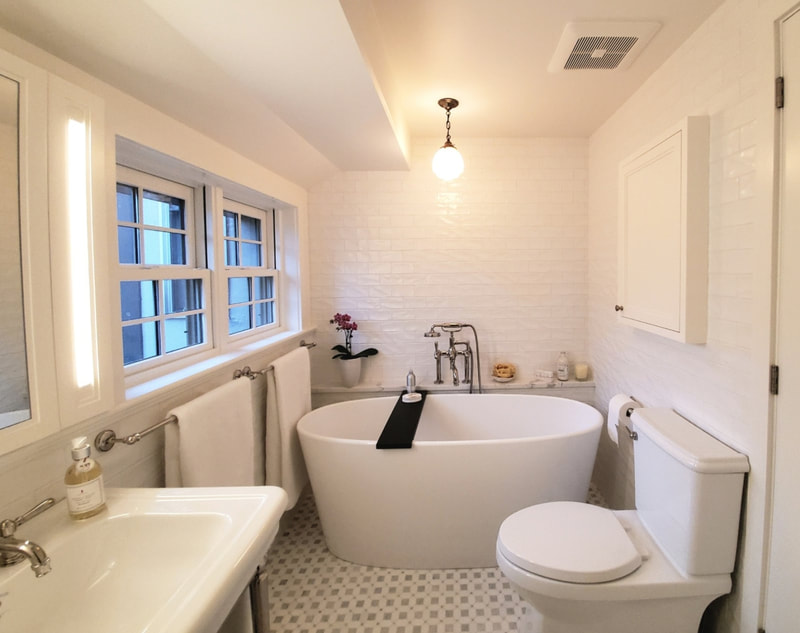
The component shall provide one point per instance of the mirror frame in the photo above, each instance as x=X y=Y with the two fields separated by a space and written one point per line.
x=35 y=247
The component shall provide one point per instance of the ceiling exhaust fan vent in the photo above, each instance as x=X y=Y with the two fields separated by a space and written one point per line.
x=599 y=52
x=601 y=45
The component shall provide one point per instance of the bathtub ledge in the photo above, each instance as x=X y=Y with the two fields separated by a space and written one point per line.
x=487 y=387
x=572 y=389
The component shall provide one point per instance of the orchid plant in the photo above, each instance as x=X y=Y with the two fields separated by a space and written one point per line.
x=344 y=323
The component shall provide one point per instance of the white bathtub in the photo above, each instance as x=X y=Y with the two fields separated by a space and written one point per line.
x=475 y=460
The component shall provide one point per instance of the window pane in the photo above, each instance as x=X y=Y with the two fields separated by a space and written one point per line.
x=139 y=342
x=231 y=253
x=138 y=299
x=161 y=210
x=239 y=319
x=182 y=295
x=263 y=288
x=264 y=313
x=251 y=228
x=238 y=290
x=161 y=247
x=126 y=203
x=230 y=224
x=127 y=238
x=251 y=254
x=182 y=332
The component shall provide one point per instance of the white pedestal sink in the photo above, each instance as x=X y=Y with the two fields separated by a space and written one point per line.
x=160 y=560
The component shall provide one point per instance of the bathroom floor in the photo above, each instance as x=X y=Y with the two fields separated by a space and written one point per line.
x=312 y=591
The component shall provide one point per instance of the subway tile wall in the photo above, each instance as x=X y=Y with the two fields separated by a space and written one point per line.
x=503 y=248
x=714 y=385
x=713 y=73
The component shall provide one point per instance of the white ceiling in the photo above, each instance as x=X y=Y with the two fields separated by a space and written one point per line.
x=307 y=87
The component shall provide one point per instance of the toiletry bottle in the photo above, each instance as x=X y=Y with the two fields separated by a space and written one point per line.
x=562 y=367
x=411 y=394
x=84 y=481
x=411 y=382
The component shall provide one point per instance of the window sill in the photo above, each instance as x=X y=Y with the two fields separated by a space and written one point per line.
x=205 y=367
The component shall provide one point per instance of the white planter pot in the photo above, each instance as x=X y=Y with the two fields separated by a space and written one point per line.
x=351 y=371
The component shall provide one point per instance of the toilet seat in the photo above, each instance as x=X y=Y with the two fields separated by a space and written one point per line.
x=569 y=541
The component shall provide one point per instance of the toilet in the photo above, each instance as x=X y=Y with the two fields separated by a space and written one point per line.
x=585 y=569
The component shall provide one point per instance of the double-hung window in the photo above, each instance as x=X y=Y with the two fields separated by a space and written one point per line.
x=250 y=269
x=199 y=260
x=164 y=282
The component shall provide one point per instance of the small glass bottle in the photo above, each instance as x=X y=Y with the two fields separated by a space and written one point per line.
x=562 y=367
x=86 y=496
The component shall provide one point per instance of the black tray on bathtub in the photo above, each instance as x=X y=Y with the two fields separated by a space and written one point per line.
x=401 y=427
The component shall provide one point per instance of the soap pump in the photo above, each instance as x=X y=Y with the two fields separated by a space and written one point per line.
x=411 y=394
x=84 y=481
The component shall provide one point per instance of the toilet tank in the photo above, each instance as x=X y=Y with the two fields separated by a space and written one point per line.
x=688 y=491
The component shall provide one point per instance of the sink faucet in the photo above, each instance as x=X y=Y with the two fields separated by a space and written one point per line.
x=455 y=349
x=14 y=550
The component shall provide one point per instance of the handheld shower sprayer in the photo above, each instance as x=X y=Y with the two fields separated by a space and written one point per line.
x=445 y=327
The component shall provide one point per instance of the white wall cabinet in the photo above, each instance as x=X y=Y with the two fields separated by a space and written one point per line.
x=663 y=234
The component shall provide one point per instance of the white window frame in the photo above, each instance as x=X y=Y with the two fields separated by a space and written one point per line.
x=268 y=268
x=290 y=258
x=194 y=268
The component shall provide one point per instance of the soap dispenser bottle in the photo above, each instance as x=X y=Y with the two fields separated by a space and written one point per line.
x=84 y=481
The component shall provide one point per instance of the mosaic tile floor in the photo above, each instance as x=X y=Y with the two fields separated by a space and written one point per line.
x=312 y=591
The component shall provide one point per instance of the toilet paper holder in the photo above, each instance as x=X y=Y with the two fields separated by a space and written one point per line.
x=631 y=434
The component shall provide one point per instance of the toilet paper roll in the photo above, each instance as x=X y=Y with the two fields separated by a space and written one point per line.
x=617 y=409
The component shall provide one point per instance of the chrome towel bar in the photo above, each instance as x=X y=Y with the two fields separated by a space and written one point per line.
x=105 y=440
x=247 y=372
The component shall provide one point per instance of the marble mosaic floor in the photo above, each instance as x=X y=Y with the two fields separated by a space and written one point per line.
x=312 y=591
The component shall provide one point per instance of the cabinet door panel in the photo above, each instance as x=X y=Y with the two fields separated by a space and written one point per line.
x=653 y=242
x=663 y=234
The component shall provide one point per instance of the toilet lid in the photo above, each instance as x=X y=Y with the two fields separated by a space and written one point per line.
x=569 y=541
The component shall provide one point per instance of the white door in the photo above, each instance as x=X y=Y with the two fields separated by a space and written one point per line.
x=783 y=608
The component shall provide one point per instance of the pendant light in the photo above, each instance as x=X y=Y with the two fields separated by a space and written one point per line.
x=447 y=162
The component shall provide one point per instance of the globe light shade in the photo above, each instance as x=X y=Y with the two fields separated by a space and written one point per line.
x=447 y=162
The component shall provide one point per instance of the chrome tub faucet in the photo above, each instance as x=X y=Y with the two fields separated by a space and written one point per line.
x=455 y=350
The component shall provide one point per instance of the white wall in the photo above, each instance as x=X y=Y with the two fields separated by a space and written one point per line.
x=36 y=471
x=720 y=71
x=503 y=247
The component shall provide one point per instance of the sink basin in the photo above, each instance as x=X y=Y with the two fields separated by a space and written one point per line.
x=157 y=560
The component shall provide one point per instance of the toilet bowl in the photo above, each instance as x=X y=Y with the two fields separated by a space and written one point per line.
x=585 y=569
x=610 y=576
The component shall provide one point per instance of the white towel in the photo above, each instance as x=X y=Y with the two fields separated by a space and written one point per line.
x=288 y=400
x=212 y=444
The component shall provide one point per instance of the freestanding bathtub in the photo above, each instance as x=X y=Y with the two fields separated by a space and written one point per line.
x=475 y=460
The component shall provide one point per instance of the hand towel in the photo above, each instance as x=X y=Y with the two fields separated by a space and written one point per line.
x=212 y=443
x=288 y=400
